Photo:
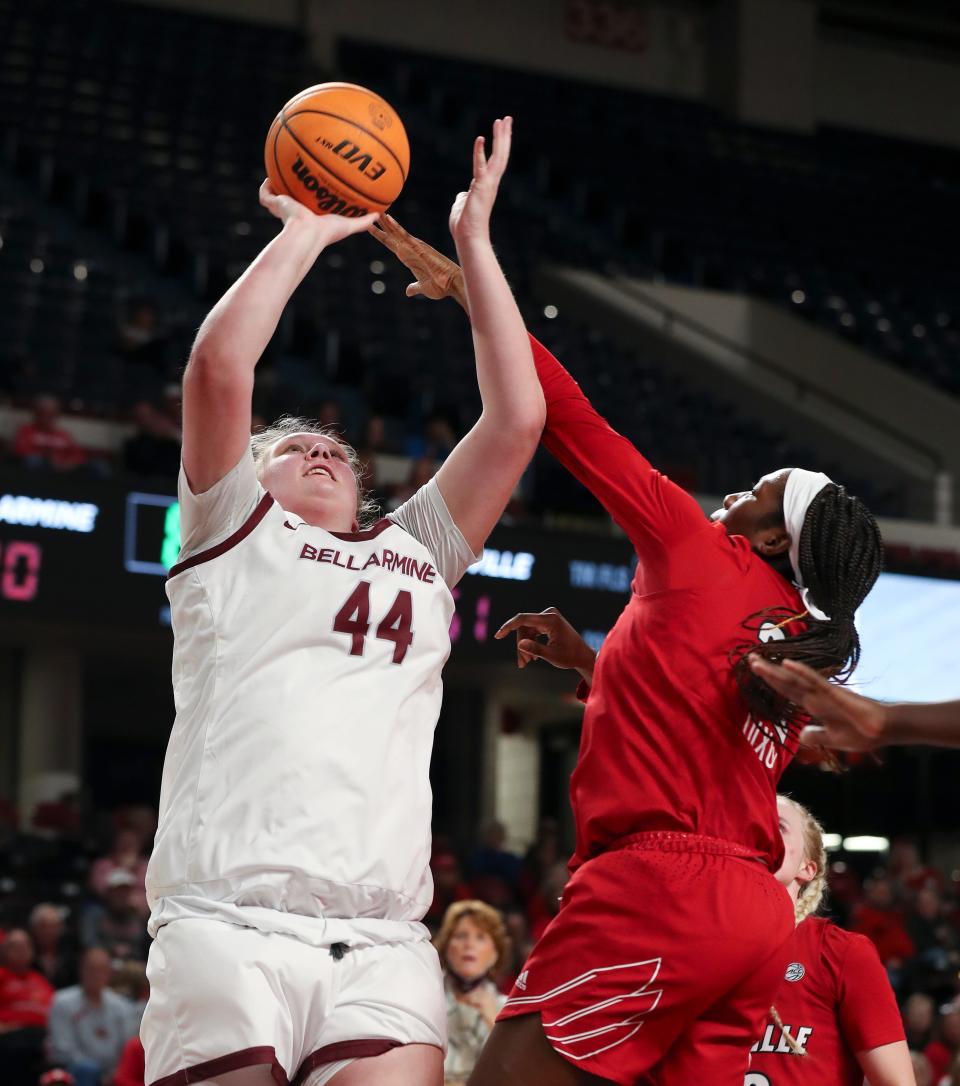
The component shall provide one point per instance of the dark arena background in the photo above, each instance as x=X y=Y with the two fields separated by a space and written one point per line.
x=737 y=222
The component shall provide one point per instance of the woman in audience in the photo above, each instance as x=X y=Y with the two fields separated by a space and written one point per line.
x=472 y=943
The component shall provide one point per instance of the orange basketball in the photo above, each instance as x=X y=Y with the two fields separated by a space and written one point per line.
x=338 y=149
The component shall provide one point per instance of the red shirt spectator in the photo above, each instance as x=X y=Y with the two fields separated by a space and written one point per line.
x=882 y=923
x=25 y=994
x=941 y=1052
x=130 y=1070
x=448 y=886
x=42 y=441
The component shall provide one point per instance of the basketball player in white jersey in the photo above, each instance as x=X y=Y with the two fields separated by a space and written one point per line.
x=290 y=869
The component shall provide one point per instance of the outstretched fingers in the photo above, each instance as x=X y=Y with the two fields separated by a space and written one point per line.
x=502 y=138
x=479 y=157
x=541 y=622
x=794 y=682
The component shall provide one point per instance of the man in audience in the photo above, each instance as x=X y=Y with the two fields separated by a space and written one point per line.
x=89 y=1024
x=25 y=997
x=42 y=443
x=943 y=1050
x=492 y=857
x=882 y=922
x=155 y=447
x=116 y=924
x=53 y=956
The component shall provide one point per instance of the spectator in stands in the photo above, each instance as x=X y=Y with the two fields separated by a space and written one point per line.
x=54 y=955
x=882 y=922
x=155 y=447
x=130 y=981
x=493 y=859
x=130 y=1070
x=540 y=858
x=918 y=1016
x=545 y=904
x=141 y=341
x=435 y=443
x=89 y=1024
x=372 y=444
x=472 y=942
x=922 y=1071
x=448 y=887
x=421 y=472
x=25 y=997
x=943 y=1051
x=518 y=933
x=125 y=854
x=935 y=942
x=116 y=923
x=953 y=1076
x=843 y=890
x=42 y=443
x=907 y=871
x=329 y=414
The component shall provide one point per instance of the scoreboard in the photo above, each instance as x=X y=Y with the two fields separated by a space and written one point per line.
x=96 y=553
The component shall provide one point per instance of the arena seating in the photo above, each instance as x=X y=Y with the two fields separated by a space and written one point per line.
x=151 y=136
x=854 y=231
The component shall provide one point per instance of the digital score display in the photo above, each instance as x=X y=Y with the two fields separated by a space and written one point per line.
x=94 y=553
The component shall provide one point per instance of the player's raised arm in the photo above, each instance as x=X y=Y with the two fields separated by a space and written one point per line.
x=648 y=507
x=479 y=476
x=218 y=381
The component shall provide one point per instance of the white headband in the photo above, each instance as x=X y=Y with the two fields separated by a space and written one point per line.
x=802 y=487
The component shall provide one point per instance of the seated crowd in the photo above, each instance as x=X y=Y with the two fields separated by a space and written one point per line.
x=72 y=968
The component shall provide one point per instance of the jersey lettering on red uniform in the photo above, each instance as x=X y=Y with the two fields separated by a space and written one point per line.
x=664 y=711
x=835 y=1000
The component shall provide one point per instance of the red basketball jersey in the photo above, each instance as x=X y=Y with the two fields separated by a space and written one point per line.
x=667 y=741
x=835 y=1000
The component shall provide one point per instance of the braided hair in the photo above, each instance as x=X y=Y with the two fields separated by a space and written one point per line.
x=840 y=558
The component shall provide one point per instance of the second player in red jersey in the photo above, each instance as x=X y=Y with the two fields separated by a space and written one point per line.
x=670 y=939
x=835 y=1018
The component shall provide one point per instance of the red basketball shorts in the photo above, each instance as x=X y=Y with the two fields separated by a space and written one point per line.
x=662 y=962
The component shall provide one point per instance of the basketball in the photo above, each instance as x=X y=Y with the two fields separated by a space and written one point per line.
x=339 y=149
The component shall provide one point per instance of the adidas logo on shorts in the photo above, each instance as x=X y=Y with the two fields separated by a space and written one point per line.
x=521 y=981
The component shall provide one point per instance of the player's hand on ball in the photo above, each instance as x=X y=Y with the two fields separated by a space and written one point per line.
x=470 y=215
x=843 y=720
x=564 y=647
x=437 y=276
x=331 y=228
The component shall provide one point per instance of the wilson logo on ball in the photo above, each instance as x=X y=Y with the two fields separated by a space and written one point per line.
x=365 y=163
x=326 y=200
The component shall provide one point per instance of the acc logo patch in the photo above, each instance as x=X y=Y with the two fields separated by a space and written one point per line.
x=795 y=972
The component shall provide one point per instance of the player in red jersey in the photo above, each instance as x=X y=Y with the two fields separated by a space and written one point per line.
x=835 y=1018
x=670 y=940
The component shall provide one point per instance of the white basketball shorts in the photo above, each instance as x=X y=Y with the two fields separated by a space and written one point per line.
x=224 y=997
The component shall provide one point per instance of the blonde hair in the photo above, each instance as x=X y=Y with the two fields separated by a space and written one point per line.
x=264 y=440
x=486 y=918
x=811 y=893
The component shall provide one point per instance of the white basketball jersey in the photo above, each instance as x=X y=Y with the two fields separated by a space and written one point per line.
x=307 y=685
